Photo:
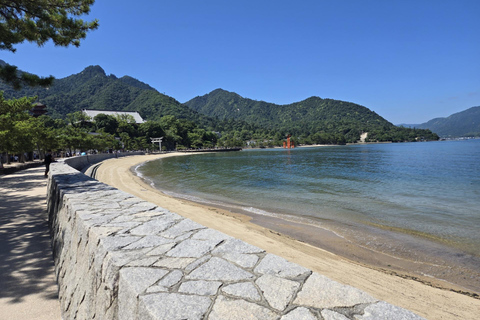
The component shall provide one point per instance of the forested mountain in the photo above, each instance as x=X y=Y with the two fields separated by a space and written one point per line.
x=237 y=119
x=308 y=118
x=93 y=89
x=462 y=124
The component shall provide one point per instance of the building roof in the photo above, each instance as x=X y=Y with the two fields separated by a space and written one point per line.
x=38 y=109
x=93 y=113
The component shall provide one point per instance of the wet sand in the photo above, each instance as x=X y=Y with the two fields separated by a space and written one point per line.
x=309 y=246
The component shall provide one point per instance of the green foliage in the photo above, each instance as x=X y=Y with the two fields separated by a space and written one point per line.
x=17 y=79
x=316 y=120
x=401 y=134
x=14 y=122
x=461 y=124
x=106 y=123
x=40 y=21
x=234 y=120
x=93 y=89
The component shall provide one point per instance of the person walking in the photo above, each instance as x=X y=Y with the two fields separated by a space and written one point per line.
x=48 y=159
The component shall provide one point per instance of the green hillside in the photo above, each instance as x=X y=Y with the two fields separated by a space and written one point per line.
x=93 y=89
x=311 y=119
x=461 y=124
x=237 y=119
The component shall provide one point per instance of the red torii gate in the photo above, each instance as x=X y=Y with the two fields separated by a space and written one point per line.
x=289 y=144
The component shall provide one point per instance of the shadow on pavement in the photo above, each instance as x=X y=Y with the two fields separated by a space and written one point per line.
x=26 y=263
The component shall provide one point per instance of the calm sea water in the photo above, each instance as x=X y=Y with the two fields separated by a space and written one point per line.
x=428 y=190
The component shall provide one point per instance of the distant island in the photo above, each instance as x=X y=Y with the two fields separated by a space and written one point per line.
x=462 y=124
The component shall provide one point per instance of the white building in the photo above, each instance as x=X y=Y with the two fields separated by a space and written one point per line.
x=93 y=113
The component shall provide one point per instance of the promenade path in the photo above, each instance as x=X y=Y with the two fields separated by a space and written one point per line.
x=27 y=281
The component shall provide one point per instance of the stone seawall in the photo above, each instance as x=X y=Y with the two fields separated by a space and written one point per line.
x=83 y=162
x=120 y=257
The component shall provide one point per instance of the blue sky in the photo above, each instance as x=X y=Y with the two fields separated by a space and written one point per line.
x=409 y=61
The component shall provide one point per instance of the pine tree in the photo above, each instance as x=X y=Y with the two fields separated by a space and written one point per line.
x=40 y=21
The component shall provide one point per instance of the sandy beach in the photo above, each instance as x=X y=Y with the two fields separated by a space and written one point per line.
x=430 y=298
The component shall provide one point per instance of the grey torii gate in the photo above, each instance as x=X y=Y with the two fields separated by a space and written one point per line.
x=159 y=140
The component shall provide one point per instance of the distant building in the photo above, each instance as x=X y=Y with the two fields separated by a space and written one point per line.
x=38 y=109
x=93 y=113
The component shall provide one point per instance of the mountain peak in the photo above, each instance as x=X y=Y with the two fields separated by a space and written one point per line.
x=219 y=90
x=92 y=71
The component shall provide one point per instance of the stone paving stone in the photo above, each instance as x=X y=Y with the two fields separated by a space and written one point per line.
x=92 y=235
x=88 y=215
x=183 y=237
x=192 y=248
x=127 y=202
x=147 y=241
x=184 y=226
x=99 y=205
x=277 y=291
x=385 y=311
x=132 y=211
x=233 y=309
x=300 y=313
x=219 y=269
x=81 y=206
x=143 y=206
x=243 y=260
x=101 y=232
x=197 y=262
x=142 y=262
x=134 y=281
x=167 y=282
x=200 y=287
x=332 y=315
x=172 y=306
x=117 y=242
x=210 y=234
x=155 y=226
x=174 y=263
x=321 y=292
x=276 y=265
x=161 y=249
x=108 y=212
x=236 y=245
x=122 y=218
x=244 y=290
x=171 y=279
x=158 y=212
x=93 y=222
x=112 y=263
x=124 y=225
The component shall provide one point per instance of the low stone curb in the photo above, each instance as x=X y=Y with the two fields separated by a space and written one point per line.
x=14 y=168
x=119 y=257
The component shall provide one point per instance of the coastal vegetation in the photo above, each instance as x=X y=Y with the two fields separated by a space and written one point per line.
x=218 y=119
x=311 y=121
x=21 y=132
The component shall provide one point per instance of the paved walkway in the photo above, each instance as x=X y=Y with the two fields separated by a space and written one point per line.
x=17 y=166
x=27 y=282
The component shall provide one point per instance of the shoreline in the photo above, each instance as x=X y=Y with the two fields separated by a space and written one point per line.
x=419 y=294
x=406 y=255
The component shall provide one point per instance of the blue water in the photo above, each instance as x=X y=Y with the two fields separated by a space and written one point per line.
x=429 y=190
